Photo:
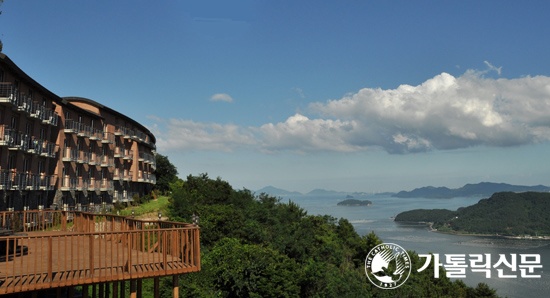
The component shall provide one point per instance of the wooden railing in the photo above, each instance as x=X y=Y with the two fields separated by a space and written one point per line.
x=51 y=249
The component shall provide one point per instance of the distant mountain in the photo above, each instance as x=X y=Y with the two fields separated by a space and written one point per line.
x=483 y=189
x=323 y=192
x=278 y=192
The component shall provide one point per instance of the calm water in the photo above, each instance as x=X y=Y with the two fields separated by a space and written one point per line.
x=418 y=238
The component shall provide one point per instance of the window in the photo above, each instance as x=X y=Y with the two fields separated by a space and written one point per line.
x=1 y=75
x=42 y=134
x=78 y=171
x=66 y=143
x=92 y=147
x=67 y=115
x=11 y=162
x=30 y=93
x=41 y=167
x=28 y=131
x=26 y=165
x=79 y=144
x=79 y=118
x=92 y=123
x=13 y=123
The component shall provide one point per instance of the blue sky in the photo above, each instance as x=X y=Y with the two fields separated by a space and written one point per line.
x=345 y=95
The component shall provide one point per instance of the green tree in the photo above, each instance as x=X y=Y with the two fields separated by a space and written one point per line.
x=165 y=173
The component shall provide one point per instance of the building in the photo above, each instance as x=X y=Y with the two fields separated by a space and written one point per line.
x=69 y=151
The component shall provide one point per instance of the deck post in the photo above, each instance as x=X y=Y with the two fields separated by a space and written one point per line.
x=85 y=291
x=122 y=288
x=175 y=286
x=101 y=290
x=115 y=289
x=139 y=288
x=156 y=287
x=133 y=288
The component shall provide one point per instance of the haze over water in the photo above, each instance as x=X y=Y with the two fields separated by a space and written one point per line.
x=418 y=237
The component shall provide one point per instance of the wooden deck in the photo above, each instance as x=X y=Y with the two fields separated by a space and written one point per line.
x=88 y=249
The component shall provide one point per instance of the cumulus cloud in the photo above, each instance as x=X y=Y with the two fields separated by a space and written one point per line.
x=443 y=113
x=221 y=97
x=447 y=113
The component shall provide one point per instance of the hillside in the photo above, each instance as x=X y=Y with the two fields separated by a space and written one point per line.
x=483 y=189
x=504 y=213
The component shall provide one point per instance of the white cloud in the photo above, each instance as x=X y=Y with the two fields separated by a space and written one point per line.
x=443 y=113
x=187 y=135
x=221 y=97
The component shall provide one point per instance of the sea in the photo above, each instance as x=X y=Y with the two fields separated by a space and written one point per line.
x=419 y=238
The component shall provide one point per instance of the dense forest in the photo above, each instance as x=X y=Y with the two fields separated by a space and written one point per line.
x=504 y=213
x=258 y=246
x=354 y=202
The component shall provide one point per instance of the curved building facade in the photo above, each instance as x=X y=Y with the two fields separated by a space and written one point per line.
x=69 y=151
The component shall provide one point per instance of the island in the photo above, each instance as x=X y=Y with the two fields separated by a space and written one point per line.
x=354 y=202
x=518 y=215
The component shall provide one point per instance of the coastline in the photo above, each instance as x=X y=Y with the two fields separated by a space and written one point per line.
x=456 y=233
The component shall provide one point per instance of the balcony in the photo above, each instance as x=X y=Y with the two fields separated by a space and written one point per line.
x=94 y=185
x=120 y=130
x=82 y=184
x=51 y=117
x=118 y=174
x=49 y=150
x=8 y=136
x=70 y=155
x=119 y=152
x=74 y=248
x=24 y=104
x=84 y=157
x=128 y=154
x=108 y=138
x=38 y=111
x=22 y=142
x=95 y=159
x=107 y=161
x=68 y=183
x=47 y=182
x=96 y=134
x=36 y=146
x=129 y=134
x=11 y=180
x=71 y=126
x=106 y=185
x=8 y=94
x=128 y=175
x=84 y=130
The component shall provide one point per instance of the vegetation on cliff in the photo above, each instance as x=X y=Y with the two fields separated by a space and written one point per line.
x=258 y=246
x=354 y=202
x=505 y=213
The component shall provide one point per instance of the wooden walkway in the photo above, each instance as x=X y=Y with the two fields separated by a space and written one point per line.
x=117 y=249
